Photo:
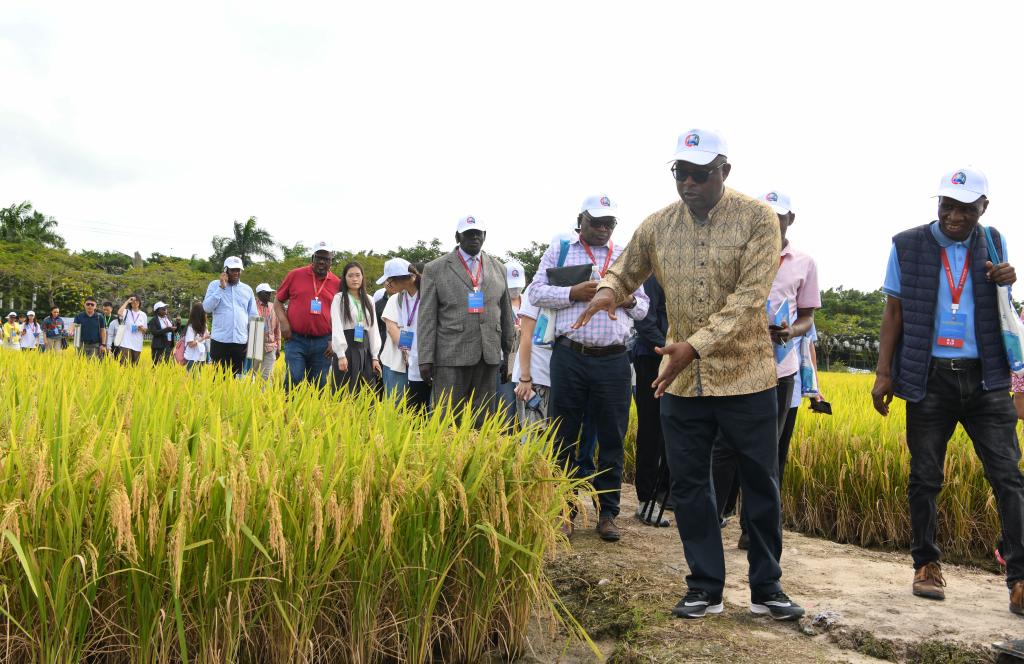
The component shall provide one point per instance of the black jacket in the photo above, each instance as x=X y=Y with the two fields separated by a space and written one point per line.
x=651 y=331
x=160 y=333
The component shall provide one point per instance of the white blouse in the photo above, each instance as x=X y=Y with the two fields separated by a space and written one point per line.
x=338 y=326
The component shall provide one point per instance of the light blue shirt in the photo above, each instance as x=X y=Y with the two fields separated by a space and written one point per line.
x=472 y=261
x=231 y=307
x=957 y=252
x=809 y=338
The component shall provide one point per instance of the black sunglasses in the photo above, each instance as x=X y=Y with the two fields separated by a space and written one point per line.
x=700 y=176
x=604 y=222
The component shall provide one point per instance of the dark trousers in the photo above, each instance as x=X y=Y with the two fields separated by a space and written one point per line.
x=989 y=418
x=417 y=395
x=305 y=357
x=784 y=438
x=749 y=423
x=599 y=386
x=585 y=465
x=725 y=463
x=463 y=388
x=164 y=354
x=231 y=356
x=651 y=469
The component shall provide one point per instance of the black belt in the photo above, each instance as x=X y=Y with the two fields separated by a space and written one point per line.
x=591 y=351
x=955 y=364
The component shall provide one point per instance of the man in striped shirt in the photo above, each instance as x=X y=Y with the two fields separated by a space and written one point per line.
x=589 y=366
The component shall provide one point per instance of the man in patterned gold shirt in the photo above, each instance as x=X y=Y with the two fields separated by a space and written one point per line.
x=715 y=252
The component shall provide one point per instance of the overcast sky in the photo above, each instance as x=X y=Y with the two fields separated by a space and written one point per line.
x=151 y=127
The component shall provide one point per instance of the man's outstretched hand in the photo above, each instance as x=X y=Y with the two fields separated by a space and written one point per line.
x=681 y=354
x=604 y=300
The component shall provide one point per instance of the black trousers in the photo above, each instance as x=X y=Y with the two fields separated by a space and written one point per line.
x=725 y=467
x=161 y=354
x=231 y=356
x=470 y=387
x=990 y=420
x=651 y=469
x=749 y=423
x=599 y=386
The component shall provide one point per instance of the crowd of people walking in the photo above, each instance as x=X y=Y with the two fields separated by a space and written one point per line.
x=704 y=320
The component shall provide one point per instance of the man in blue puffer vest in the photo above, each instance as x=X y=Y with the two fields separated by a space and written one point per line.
x=941 y=350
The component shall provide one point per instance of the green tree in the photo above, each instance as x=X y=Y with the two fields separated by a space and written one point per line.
x=21 y=223
x=247 y=241
x=297 y=250
x=529 y=257
x=111 y=262
x=422 y=252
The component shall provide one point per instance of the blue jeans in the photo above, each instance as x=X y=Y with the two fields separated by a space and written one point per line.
x=304 y=357
x=395 y=383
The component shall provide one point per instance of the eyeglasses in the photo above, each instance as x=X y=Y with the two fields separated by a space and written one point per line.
x=699 y=176
x=90 y=304
x=604 y=222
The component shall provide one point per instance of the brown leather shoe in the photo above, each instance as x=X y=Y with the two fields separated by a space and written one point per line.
x=607 y=530
x=1017 y=598
x=928 y=582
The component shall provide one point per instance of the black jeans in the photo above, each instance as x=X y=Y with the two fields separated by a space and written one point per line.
x=600 y=386
x=651 y=469
x=749 y=425
x=231 y=356
x=989 y=418
x=163 y=354
x=724 y=467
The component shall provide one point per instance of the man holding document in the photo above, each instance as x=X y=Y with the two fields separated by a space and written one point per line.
x=590 y=368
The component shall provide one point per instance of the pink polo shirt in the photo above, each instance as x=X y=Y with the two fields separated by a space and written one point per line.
x=797 y=282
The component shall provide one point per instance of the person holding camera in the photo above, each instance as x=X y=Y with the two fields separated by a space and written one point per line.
x=533 y=385
x=590 y=370
x=92 y=330
x=232 y=303
x=132 y=330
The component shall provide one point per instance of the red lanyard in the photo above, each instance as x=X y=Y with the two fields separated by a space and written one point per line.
x=607 y=259
x=412 y=313
x=958 y=290
x=479 y=271
x=316 y=293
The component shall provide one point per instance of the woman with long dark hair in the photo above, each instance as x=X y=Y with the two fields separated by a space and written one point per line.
x=197 y=336
x=354 y=336
x=402 y=369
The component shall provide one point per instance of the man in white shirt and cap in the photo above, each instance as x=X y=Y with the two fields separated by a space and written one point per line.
x=515 y=279
x=232 y=303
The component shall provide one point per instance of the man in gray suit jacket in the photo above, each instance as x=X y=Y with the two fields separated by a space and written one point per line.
x=466 y=324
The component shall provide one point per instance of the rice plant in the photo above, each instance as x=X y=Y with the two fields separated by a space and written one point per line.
x=153 y=515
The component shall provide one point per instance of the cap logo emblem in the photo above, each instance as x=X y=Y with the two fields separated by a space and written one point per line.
x=605 y=202
x=515 y=274
x=959 y=178
x=691 y=140
x=470 y=220
x=772 y=197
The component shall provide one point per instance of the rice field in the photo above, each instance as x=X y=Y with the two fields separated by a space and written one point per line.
x=151 y=515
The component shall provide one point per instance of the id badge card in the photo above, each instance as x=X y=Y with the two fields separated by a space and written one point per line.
x=405 y=338
x=315 y=306
x=358 y=332
x=475 y=302
x=952 y=330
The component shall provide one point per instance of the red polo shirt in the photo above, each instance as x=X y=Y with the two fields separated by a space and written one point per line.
x=299 y=288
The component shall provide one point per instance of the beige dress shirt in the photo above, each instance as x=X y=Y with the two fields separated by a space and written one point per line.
x=716 y=275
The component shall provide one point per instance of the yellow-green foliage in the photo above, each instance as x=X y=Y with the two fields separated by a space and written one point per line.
x=151 y=515
x=847 y=478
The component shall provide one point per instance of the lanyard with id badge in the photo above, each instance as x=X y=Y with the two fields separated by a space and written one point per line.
x=406 y=336
x=316 y=307
x=953 y=325
x=359 y=331
x=475 y=300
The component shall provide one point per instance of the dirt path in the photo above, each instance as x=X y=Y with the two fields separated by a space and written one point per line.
x=622 y=594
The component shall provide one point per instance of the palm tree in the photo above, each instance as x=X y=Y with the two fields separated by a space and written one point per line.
x=248 y=240
x=20 y=223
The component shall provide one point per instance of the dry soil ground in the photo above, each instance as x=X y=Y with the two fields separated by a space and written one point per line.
x=621 y=593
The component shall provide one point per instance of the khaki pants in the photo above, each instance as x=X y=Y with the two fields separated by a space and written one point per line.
x=55 y=343
x=90 y=350
x=265 y=367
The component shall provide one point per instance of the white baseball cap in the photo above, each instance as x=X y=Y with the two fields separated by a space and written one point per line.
x=264 y=288
x=30 y=313
x=394 y=267
x=321 y=246
x=470 y=223
x=515 y=275
x=232 y=262
x=700 y=146
x=964 y=184
x=778 y=201
x=11 y=314
x=160 y=304
x=600 y=206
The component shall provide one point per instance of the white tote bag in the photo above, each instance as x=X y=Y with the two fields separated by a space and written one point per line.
x=1009 y=321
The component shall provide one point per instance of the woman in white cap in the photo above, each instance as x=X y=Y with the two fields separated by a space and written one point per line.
x=271 y=331
x=162 y=329
x=132 y=329
x=12 y=332
x=399 y=318
x=354 y=337
x=31 y=333
x=515 y=280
